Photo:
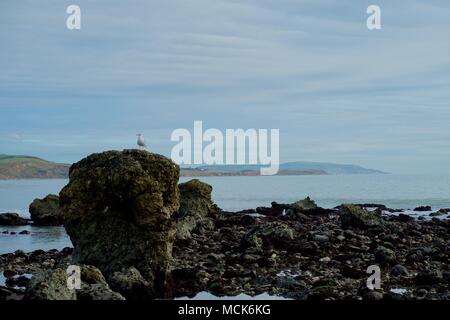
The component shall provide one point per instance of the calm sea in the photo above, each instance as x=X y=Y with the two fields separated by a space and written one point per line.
x=235 y=193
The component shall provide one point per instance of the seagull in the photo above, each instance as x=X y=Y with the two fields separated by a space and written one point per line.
x=141 y=142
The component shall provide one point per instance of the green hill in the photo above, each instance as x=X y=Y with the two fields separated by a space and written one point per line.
x=25 y=167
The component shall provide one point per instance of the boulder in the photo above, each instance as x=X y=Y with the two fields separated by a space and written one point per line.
x=12 y=219
x=50 y=285
x=94 y=286
x=356 y=217
x=305 y=204
x=423 y=208
x=119 y=209
x=429 y=277
x=197 y=209
x=130 y=283
x=267 y=236
x=399 y=270
x=46 y=212
x=384 y=256
x=438 y=213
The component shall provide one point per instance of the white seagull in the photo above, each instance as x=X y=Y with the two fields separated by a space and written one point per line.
x=141 y=142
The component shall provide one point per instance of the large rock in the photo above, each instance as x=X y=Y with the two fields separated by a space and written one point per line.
x=356 y=217
x=118 y=211
x=12 y=219
x=46 y=212
x=197 y=209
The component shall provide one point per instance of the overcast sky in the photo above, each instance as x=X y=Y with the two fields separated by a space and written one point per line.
x=337 y=91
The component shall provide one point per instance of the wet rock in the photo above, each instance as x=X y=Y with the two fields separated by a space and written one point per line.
x=5 y=293
x=131 y=284
x=429 y=277
x=50 y=285
x=269 y=235
x=438 y=213
x=372 y=295
x=384 y=255
x=94 y=286
x=304 y=204
x=320 y=237
x=404 y=218
x=17 y=281
x=380 y=207
x=97 y=292
x=24 y=232
x=46 y=212
x=274 y=211
x=352 y=216
x=399 y=270
x=197 y=209
x=119 y=212
x=12 y=219
x=423 y=208
x=8 y=273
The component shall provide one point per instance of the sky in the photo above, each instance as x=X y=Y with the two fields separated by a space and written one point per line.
x=337 y=91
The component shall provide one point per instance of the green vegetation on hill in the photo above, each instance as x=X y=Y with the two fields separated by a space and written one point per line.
x=26 y=167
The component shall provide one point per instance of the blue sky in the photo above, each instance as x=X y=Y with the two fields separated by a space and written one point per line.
x=337 y=91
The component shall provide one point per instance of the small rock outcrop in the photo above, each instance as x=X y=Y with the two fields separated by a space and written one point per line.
x=119 y=209
x=305 y=204
x=46 y=212
x=12 y=219
x=423 y=208
x=197 y=210
x=356 y=217
x=268 y=235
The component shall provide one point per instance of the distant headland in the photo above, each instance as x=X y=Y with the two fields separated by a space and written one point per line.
x=28 y=167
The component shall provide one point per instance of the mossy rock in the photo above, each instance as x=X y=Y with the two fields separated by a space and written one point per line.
x=119 y=211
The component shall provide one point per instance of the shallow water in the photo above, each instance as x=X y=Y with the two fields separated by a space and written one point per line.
x=44 y=238
x=236 y=193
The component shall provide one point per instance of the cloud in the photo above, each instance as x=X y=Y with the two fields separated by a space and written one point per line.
x=310 y=68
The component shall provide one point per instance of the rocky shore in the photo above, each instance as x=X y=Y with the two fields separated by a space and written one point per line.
x=137 y=234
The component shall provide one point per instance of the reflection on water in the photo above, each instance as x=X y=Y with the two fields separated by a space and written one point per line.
x=44 y=238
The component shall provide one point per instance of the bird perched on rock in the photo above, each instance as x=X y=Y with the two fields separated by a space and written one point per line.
x=141 y=141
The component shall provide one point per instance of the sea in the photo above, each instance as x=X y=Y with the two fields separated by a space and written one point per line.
x=237 y=193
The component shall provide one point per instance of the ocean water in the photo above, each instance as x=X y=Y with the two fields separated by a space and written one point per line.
x=236 y=193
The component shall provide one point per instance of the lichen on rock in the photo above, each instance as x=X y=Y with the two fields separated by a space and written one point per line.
x=197 y=210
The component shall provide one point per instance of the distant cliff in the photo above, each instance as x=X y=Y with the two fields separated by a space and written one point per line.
x=297 y=167
x=25 y=167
